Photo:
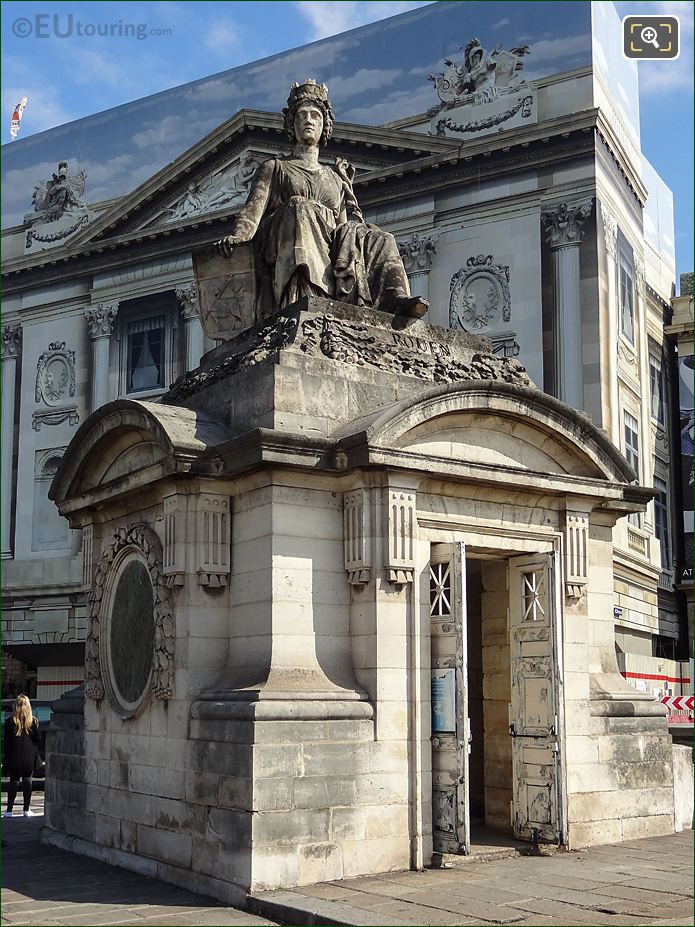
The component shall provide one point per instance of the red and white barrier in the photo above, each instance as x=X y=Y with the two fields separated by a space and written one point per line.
x=679 y=702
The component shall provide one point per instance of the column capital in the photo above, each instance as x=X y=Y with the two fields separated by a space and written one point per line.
x=11 y=341
x=639 y=275
x=418 y=251
x=563 y=223
x=187 y=296
x=610 y=232
x=100 y=319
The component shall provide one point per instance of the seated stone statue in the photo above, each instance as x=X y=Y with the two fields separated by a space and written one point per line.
x=308 y=232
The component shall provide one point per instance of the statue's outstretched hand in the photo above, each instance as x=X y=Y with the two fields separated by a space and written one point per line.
x=225 y=246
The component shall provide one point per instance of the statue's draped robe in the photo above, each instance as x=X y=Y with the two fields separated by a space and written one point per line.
x=310 y=238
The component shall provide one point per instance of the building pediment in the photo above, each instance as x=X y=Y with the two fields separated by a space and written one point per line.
x=212 y=178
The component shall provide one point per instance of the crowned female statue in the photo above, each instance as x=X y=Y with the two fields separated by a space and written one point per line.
x=307 y=229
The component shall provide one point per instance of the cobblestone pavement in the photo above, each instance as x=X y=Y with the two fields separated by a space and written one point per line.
x=642 y=882
x=42 y=885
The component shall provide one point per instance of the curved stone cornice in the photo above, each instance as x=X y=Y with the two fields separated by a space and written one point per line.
x=184 y=435
x=385 y=427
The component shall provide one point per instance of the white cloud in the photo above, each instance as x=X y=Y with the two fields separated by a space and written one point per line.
x=328 y=17
x=364 y=79
x=656 y=77
x=221 y=37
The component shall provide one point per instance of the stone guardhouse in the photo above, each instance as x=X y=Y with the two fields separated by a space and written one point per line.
x=350 y=605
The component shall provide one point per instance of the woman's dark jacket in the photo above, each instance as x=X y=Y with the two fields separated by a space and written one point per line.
x=20 y=751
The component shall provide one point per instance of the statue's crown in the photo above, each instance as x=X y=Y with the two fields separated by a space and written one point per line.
x=308 y=90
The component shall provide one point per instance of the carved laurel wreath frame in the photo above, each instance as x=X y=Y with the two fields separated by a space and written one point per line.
x=56 y=351
x=477 y=267
x=142 y=541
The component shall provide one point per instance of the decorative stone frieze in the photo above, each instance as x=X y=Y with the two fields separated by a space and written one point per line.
x=357 y=530
x=479 y=295
x=100 y=319
x=563 y=223
x=141 y=540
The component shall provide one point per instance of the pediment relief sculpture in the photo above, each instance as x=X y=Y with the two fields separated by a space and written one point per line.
x=307 y=233
x=220 y=191
x=481 y=76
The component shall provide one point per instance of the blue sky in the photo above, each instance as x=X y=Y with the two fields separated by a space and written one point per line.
x=77 y=75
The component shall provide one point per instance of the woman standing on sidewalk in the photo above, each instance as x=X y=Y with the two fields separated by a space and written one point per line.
x=20 y=753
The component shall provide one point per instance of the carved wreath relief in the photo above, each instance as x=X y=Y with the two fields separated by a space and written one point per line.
x=479 y=295
x=141 y=541
x=55 y=382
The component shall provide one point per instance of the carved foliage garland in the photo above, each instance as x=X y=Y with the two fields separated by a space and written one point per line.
x=143 y=540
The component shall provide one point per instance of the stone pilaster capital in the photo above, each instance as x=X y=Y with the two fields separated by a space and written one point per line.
x=187 y=297
x=639 y=276
x=610 y=232
x=100 y=319
x=418 y=251
x=563 y=223
x=11 y=341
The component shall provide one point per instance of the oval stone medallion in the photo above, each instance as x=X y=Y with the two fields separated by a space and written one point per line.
x=132 y=632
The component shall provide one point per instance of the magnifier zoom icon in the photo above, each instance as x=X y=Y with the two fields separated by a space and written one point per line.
x=648 y=36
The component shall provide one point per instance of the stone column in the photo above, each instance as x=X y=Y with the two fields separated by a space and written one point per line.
x=564 y=234
x=11 y=346
x=610 y=238
x=100 y=319
x=417 y=253
x=195 y=339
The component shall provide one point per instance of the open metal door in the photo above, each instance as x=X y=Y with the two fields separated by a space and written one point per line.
x=534 y=712
x=450 y=724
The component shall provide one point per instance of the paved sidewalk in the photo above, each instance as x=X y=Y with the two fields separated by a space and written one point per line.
x=644 y=882
x=641 y=882
x=42 y=885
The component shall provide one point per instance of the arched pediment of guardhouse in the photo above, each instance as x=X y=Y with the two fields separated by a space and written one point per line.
x=503 y=430
x=129 y=442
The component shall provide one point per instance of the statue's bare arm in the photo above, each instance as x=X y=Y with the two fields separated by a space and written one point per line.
x=252 y=212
